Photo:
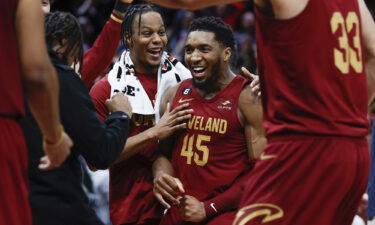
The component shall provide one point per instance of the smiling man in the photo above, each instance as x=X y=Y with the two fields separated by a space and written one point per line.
x=210 y=159
x=143 y=73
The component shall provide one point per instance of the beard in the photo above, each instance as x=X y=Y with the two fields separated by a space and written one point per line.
x=210 y=82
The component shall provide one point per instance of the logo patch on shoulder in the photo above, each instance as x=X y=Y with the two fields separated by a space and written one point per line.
x=186 y=91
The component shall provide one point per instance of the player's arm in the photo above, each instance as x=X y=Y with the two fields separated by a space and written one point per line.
x=100 y=56
x=40 y=82
x=368 y=28
x=190 y=4
x=166 y=187
x=167 y=125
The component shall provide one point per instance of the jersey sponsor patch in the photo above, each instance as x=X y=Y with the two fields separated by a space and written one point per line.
x=225 y=104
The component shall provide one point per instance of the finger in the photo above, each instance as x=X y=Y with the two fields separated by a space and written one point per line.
x=165 y=186
x=180 y=107
x=160 y=198
x=45 y=163
x=165 y=194
x=181 y=118
x=179 y=185
x=179 y=127
x=247 y=73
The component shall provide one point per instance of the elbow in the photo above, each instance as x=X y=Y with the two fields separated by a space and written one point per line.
x=37 y=76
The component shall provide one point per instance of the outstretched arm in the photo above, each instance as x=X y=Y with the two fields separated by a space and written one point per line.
x=190 y=4
x=40 y=82
x=97 y=59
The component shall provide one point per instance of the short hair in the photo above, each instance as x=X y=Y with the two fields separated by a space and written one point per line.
x=63 y=26
x=223 y=32
x=130 y=13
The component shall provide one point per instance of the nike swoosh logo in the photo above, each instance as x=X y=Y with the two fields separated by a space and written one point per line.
x=263 y=156
x=213 y=206
x=185 y=100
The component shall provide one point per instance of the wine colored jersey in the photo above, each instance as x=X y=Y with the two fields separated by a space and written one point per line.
x=312 y=71
x=130 y=197
x=11 y=92
x=211 y=153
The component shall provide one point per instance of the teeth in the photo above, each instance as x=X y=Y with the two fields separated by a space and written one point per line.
x=198 y=70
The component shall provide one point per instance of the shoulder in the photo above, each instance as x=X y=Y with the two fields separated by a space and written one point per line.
x=101 y=89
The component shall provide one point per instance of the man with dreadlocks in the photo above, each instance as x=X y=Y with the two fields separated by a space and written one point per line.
x=24 y=66
x=99 y=57
x=143 y=72
x=56 y=196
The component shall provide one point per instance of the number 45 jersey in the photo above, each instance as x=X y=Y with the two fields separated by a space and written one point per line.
x=312 y=71
x=211 y=153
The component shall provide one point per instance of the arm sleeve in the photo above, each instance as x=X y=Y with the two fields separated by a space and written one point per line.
x=99 y=93
x=99 y=57
x=99 y=143
x=229 y=199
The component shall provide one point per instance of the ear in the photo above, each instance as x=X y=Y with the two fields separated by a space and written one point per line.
x=227 y=53
x=129 y=42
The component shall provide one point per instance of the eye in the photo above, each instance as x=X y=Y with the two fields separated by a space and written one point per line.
x=205 y=49
x=188 y=50
x=147 y=33
x=45 y=3
x=162 y=33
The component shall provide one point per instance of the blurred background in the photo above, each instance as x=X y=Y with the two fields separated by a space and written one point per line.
x=93 y=14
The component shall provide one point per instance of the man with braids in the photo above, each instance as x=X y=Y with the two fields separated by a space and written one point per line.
x=211 y=159
x=143 y=72
x=56 y=196
x=97 y=59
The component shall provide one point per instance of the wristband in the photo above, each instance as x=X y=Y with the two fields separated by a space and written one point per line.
x=115 y=18
x=54 y=145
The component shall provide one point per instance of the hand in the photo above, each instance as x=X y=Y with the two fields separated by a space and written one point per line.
x=362 y=208
x=172 y=121
x=56 y=155
x=119 y=102
x=166 y=186
x=255 y=84
x=191 y=209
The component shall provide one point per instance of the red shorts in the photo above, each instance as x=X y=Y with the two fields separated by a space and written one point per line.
x=172 y=217
x=306 y=181
x=14 y=199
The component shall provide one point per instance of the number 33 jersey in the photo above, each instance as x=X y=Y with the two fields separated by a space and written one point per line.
x=312 y=71
x=211 y=153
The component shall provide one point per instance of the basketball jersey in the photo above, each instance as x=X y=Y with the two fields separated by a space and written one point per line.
x=312 y=71
x=11 y=92
x=211 y=153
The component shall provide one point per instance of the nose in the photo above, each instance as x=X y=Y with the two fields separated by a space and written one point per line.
x=156 y=39
x=195 y=56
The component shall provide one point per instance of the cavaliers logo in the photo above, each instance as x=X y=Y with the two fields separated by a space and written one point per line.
x=265 y=211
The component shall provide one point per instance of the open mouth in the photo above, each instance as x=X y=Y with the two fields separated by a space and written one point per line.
x=198 y=72
x=155 y=53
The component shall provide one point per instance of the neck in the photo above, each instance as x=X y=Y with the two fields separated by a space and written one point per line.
x=217 y=85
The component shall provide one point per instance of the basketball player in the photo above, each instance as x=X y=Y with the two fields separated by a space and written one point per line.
x=210 y=157
x=311 y=58
x=19 y=20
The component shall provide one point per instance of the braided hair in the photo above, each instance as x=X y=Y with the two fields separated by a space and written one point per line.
x=131 y=12
x=62 y=28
